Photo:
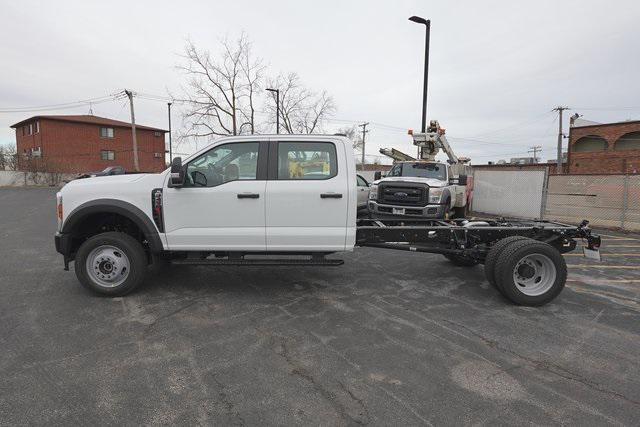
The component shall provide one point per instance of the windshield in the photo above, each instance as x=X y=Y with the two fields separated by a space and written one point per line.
x=421 y=170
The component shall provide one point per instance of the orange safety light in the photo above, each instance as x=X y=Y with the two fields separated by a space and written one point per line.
x=410 y=132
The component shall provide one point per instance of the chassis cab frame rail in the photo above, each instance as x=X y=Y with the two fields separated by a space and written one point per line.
x=467 y=238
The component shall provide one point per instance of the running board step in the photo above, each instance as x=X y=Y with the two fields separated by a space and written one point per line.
x=319 y=262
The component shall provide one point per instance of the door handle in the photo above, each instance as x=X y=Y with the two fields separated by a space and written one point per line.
x=248 y=195
x=331 y=196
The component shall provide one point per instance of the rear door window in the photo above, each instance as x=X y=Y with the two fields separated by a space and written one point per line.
x=307 y=160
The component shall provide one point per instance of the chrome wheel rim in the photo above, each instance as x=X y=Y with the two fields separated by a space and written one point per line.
x=534 y=274
x=108 y=266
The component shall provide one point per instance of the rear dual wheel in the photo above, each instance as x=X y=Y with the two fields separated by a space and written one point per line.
x=526 y=271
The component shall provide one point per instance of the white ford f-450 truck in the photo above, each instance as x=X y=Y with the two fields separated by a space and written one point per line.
x=423 y=187
x=286 y=200
x=420 y=189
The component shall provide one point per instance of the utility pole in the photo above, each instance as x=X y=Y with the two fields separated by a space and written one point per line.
x=136 y=165
x=170 y=151
x=364 y=134
x=535 y=150
x=560 y=109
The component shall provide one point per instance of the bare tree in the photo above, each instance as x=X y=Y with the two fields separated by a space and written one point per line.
x=8 y=159
x=353 y=134
x=301 y=110
x=219 y=96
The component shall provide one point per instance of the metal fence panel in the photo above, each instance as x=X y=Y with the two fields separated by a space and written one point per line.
x=514 y=193
x=605 y=200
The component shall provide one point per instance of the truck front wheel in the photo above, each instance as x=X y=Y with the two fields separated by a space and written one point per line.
x=111 y=264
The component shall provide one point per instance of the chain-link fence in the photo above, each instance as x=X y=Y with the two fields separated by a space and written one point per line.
x=611 y=201
x=605 y=200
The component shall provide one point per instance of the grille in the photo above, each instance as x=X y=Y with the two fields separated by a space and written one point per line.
x=403 y=194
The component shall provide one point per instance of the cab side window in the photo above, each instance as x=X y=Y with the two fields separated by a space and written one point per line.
x=361 y=181
x=396 y=170
x=222 y=164
x=307 y=160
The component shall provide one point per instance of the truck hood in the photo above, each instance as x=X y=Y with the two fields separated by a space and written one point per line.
x=431 y=182
x=134 y=189
x=108 y=180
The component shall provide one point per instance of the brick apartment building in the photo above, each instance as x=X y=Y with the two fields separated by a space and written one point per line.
x=596 y=148
x=84 y=143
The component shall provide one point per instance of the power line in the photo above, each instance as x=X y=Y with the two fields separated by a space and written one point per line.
x=65 y=105
x=606 y=108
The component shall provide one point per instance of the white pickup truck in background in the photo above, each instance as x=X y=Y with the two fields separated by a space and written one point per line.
x=420 y=189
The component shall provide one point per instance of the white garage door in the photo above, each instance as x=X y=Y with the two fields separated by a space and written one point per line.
x=509 y=193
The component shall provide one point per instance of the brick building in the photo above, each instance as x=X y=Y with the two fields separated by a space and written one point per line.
x=604 y=147
x=84 y=143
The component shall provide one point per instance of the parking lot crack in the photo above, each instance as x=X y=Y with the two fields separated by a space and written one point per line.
x=168 y=315
x=224 y=399
x=360 y=402
x=296 y=369
x=549 y=367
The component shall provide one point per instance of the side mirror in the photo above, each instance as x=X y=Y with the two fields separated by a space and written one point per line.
x=377 y=175
x=176 y=178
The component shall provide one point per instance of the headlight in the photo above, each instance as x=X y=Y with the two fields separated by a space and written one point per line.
x=373 y=192
x=435 y=194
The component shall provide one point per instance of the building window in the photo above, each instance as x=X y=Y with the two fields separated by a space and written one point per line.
x=627 y=142
x=30 y=128
x=590 y=143
x=37 y=126
x=107 y=155
x=106 y=132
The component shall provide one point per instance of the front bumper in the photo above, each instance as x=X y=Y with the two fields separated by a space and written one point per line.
x=63 y=246
x=432 y=211
x=63 y=243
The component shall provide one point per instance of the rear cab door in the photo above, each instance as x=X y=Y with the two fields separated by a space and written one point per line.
x=310 y=195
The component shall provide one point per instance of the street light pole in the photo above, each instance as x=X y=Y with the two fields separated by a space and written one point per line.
x=277 y=92
x=427 y=24
x=170 y=148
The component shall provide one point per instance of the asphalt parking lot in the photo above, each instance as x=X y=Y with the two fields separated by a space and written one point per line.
x=389 y=338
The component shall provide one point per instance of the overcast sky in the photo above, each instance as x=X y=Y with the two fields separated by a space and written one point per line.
x=497 y=67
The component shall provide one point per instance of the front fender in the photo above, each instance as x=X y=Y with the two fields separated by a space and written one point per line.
x=120 y=207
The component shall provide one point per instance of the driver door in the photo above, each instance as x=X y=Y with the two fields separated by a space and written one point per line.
x=222 y=204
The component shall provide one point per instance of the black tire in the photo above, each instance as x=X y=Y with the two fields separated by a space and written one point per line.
x=446 y=212
x=461 y=261
x=549 y=275
x=124 y=243
x=492 y=258
x=460 y=212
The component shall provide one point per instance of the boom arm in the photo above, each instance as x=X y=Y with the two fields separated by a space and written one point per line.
x=396 y=155
x=432 y=142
